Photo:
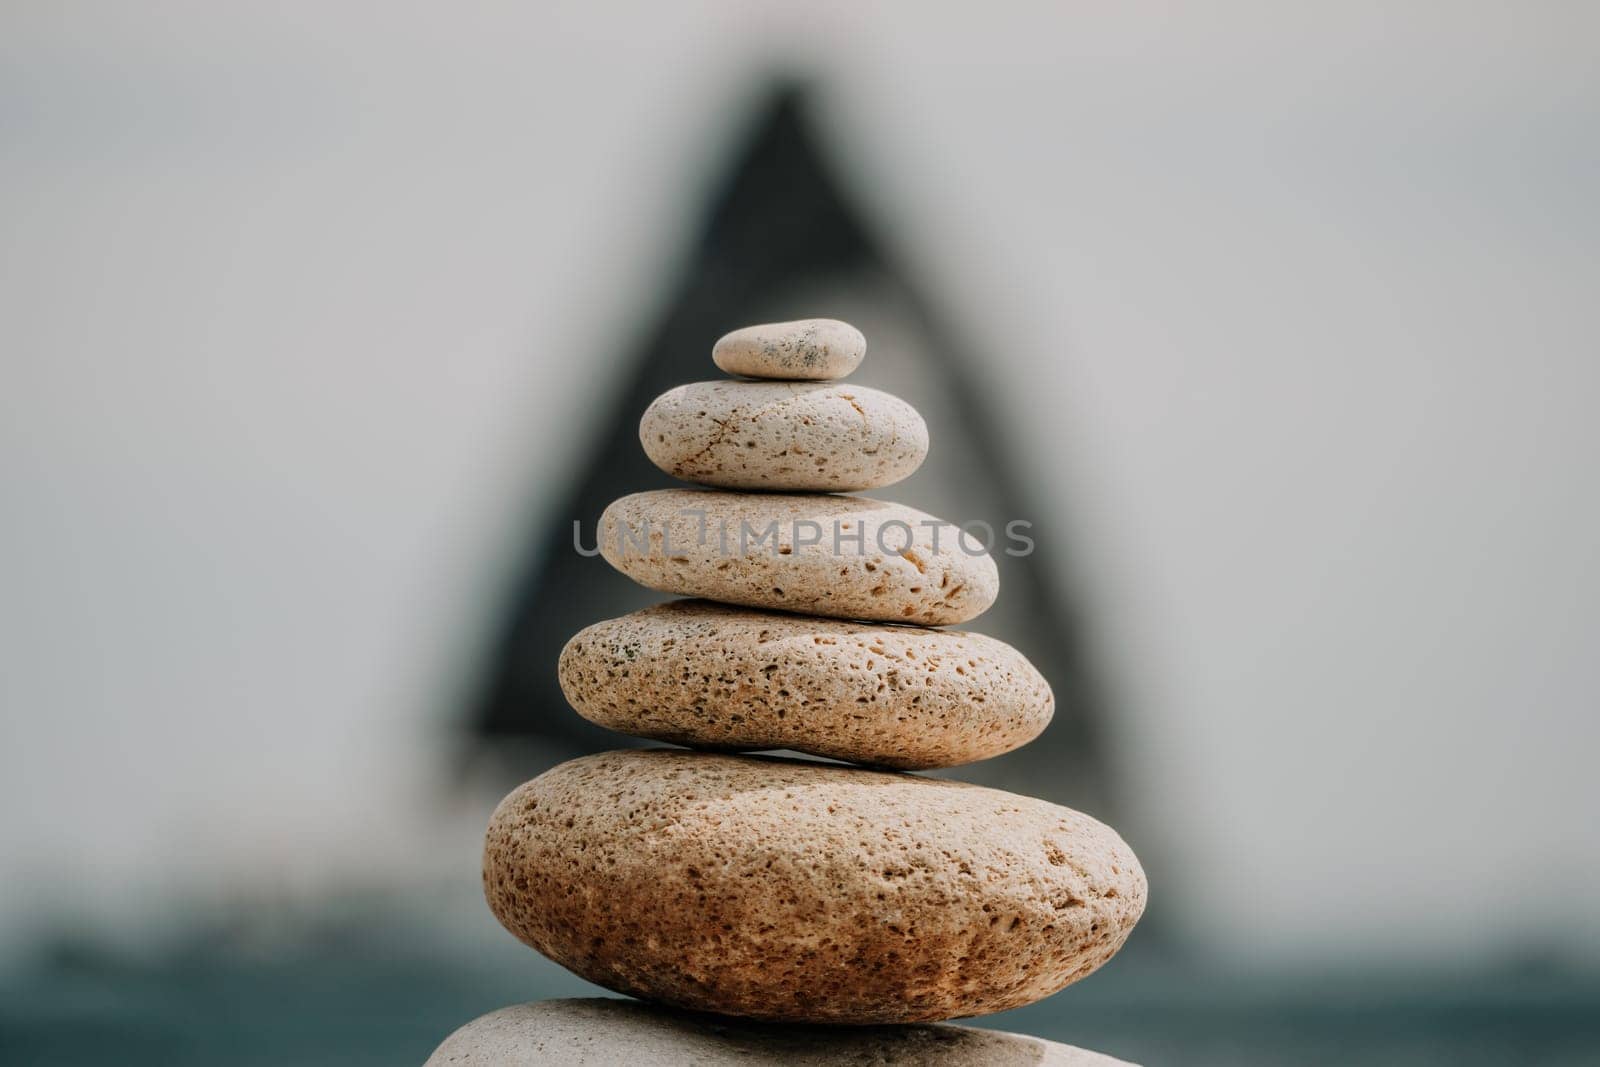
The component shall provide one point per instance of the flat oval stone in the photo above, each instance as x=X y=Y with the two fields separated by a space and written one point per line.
x=600 y=1032
x=842 y=556
x=706 y=675
x=804 y=350
x=784 y=435
x=795 y=891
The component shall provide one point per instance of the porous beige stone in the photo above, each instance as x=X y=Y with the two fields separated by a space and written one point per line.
x=708 y=675
x=806 y=892
x=597 y=1032
x=818 y=436
x=803 y=350
x=841 y=556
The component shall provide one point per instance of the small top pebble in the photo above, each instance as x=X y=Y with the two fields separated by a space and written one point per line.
x=804 y=350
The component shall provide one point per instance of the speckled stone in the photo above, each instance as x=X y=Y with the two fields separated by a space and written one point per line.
x=598 y=1032
x=804 y=350
x=706 y=675
x=806 y=892
x=784 y=436
x=660 y=539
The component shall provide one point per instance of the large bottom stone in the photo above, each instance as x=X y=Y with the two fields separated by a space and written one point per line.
x=602 y=1033
x=797 y=891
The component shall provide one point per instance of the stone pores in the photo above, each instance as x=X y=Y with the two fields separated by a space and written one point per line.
x=840 y=556
x=799 y=891
x=813 y=436
x=803 y=350
x=702 y=674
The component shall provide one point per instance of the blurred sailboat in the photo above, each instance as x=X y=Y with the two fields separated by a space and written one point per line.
x=783 y=240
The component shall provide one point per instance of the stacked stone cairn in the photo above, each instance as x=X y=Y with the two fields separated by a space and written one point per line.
x=795 y=891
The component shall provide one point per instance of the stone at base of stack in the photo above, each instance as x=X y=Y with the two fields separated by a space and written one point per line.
x=600 y=1032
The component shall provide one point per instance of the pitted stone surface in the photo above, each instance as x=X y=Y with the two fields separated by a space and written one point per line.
x=598 y=1032
x=804 y=892
x=803 y=350
x=868 y=559
x=815 y=436
x=702 y=674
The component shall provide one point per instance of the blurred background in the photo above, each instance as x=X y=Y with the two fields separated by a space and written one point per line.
x=320 y=324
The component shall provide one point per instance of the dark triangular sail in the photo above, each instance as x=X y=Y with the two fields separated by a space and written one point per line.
x=782 y=241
